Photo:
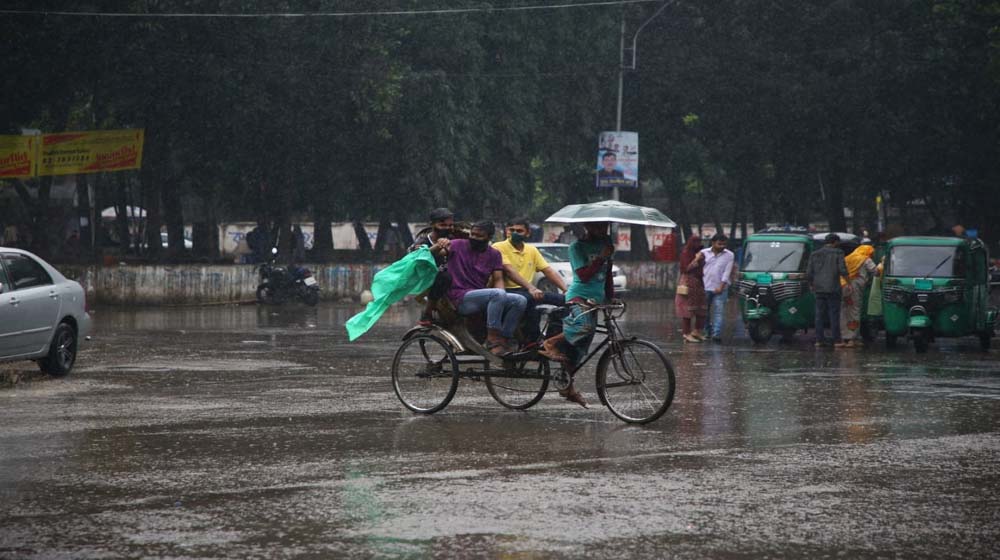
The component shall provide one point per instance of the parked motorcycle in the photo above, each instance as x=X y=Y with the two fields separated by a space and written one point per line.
x=278 y=283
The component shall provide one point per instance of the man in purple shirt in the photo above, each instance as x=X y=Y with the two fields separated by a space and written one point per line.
x=716 y=274
x=477 y=284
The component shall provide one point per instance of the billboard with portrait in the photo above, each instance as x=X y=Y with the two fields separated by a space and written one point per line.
x=617 y=159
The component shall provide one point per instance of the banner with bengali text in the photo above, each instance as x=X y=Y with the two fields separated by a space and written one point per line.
x=18 y=155
x=71 y=153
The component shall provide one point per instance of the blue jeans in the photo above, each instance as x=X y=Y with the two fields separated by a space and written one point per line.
x=716 y=311
x=827 y=306
x=503 y=310
x=530 y=328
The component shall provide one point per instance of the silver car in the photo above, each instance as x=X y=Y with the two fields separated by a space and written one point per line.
x=43 y=315
x=557 y=255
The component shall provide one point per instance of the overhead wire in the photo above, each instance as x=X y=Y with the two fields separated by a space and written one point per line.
x=440 y=11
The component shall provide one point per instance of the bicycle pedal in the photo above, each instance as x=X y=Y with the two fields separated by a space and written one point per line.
x=522 y=355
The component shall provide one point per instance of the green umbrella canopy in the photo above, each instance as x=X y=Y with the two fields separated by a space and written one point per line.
x=611 y=211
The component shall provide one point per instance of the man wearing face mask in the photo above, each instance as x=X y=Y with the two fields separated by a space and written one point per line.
x=438 y=240
x=520 y=263
x=476 y=271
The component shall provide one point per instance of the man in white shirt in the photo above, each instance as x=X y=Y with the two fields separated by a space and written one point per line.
x=717 y=273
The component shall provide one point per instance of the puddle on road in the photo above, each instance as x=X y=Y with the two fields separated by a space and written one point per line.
x=203 y=364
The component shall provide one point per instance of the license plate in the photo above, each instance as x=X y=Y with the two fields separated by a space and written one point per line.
x=310 y=281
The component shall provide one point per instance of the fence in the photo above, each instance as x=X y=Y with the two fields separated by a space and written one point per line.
x=195 y=284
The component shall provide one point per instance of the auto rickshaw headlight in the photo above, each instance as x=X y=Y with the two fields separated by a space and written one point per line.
x=896 y=295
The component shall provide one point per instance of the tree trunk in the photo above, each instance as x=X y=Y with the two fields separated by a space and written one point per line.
x=173 y=215
x=322 y=250
x=122 y=217
x=151 y=194
x=83 y=211
x=835 y=208
x=364 y=245
x=403 y=227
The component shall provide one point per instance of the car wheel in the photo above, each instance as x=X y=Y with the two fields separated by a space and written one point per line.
x=62 y=352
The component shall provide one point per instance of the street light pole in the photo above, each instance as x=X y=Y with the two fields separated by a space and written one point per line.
x=621 y=67
x=621 y=83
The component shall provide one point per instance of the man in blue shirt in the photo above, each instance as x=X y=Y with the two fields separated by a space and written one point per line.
x=590 y=258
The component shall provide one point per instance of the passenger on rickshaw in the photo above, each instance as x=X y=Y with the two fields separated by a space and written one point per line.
x=438 y=240
x=473 y=265
x=521 y=261
x=590 y=258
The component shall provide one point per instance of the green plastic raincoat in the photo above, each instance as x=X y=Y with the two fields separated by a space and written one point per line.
x=410 y=275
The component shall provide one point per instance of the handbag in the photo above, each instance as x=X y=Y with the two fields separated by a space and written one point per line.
x=682 y=288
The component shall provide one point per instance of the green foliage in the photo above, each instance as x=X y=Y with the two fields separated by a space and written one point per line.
x=744 y=107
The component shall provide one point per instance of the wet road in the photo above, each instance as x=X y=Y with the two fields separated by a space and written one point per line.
x=239 y=432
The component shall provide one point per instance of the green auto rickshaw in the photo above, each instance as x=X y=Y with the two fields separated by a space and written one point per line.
x=936 y=287
x=774 y=295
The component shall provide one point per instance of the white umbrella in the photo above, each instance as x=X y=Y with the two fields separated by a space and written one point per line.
x=611 y=211
x=133 y=212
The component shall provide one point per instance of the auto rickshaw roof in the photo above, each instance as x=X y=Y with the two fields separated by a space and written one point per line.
x=928 y=241
x=786 y=237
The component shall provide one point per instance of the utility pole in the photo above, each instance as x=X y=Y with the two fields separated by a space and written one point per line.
x=621 y=84
x=621 y=68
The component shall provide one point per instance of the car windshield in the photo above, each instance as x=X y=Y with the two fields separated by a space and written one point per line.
x=555 y=254
x=774 y=256
x=925 y=262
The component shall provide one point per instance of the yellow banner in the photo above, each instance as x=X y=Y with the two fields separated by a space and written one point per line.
x=18 y=155
x=70 y=153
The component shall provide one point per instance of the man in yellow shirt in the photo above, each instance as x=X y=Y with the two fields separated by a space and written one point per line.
x=521 y=261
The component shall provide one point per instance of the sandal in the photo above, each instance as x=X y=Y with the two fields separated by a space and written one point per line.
x=554 y=354
x=497 y=348
x=572 y=395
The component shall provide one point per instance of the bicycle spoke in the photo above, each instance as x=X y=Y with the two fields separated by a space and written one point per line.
x=424 y=374
x=636 y=381
x=520 y=393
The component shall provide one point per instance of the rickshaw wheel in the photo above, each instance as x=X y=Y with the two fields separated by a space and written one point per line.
x=635 y=381
x=760 y=331
x=424 y=374
x=984 y=340
x=890 y=341
x=520 y=393
x=920 y=342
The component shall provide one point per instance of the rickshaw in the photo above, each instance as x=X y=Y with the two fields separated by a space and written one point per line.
x=634 y=379
x=936 y=287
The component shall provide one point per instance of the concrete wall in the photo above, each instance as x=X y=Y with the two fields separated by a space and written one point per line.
x=193 y=284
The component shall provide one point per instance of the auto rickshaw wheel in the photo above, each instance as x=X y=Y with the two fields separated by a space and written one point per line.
x=920 y=341
x=868 y=330
x=760 y=331
x=984 y=340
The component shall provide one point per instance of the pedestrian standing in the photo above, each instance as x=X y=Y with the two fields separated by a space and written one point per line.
x=689 y=302
x=824 y=272
x=717 y=273
x=860 y=269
